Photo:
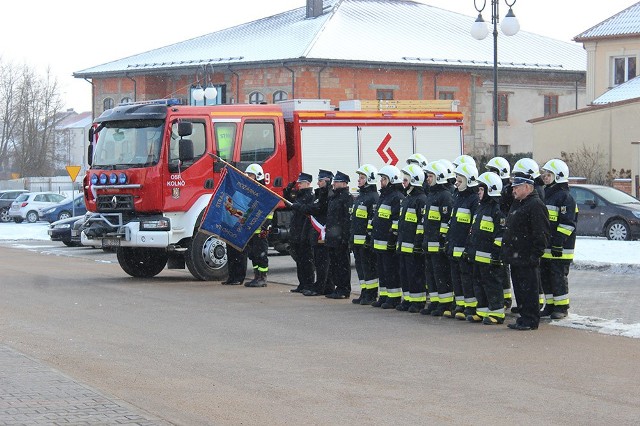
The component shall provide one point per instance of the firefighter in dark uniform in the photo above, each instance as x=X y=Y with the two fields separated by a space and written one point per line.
x=485 y=242
x=436 y=226
x=421 y=161
x=385 y=236
x=523 y=243
x=465 y=202
x=258 y=245
x=361 y=216
x=299 y=243
x=501 y=167
x=529 y=168
x=338 y=231
x=409 y=246
x=318 y=217
x=554 y=266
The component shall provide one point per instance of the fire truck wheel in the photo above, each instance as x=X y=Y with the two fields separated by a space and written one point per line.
x=206 y=258
x=142 y=263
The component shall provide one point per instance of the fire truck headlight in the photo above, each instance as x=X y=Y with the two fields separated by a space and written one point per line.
x=94 y=179
x=113 y=178
x=122 y=178
x=163 y=224
x=103 y=178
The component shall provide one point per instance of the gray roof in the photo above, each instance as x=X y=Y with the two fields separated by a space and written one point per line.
x=628 y=90
x=364 y=31
x=622 y=24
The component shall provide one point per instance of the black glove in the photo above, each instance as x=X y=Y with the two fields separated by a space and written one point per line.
x=495 y=262
x=464 y=255
x=556 y=251
x=291 y=185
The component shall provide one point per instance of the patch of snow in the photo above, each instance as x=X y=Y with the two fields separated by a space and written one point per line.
x=600 y=325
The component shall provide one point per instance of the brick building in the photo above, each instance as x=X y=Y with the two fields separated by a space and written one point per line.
x=362 y=49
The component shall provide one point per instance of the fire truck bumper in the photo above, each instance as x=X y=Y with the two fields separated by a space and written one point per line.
x=152 y=233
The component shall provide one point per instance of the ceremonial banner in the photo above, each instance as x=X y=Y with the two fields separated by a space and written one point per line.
x=237 y=209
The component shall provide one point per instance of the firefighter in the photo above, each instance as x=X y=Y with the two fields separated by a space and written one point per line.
x=523 y=243
x=384 y=234
x=409 y=245
x=436 y=225
x=528 y=168
x=501 y=167
x=258 y=245
x=318 y=217
x=361 y=215
x=451 y=176
x=338 y=230
x=464 y=159
x=465 y=202
x=554 y=266
x=485 y=242
x=421 y=161
x=299 y=243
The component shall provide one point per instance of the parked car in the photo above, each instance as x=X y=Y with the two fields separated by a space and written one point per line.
x=7 y=197
x=26 y=205
x=64 y=210
x=61 y=230
x=606 y=211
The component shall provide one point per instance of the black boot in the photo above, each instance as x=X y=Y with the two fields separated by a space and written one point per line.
x=261 y=281
x=391 y=303
x=548 y=310
x=403 y=306
x=359 y=299
x=559 y=313
x=432 y=306
x=369 y=296
x=378 y=303
x=256 y=276
x=415 y=307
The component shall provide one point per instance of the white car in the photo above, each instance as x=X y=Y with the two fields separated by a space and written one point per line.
x=26 y=206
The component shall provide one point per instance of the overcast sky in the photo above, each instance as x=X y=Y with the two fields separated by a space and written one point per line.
x=72 y=35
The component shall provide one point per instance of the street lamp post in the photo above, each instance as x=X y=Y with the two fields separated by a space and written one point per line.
x=479 y=31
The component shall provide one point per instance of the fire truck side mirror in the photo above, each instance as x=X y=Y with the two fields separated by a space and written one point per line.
x=185 y=149
x=90 y=154
x=185 y=128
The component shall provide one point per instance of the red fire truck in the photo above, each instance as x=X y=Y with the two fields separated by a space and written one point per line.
x=152 y=175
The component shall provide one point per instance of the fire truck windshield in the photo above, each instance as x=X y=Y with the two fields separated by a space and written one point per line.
x=126 y=144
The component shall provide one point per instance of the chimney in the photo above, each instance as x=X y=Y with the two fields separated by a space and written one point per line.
x=314 y=8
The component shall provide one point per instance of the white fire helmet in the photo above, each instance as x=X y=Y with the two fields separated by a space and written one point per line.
x=493 y=183
x=470 y=171
x=500 y=165
x=450 y=168
x=438 y=169
x=526 y=166
x=415 y=173
x=464 y=159
x=256 y=170
x=392 y=173
x=369 y=171
x=418 y=159
x=559 y=169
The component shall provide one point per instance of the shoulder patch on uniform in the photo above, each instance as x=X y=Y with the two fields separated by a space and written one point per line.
x=503 y=221
x=445 y=209
x=563 y=209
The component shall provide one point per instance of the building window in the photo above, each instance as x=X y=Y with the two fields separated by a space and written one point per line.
x=107 y=103
x=280 y=95
x=446 y=96
x=256 y=98
x=125 y=100
x=550 y=105
x=503 y=107
x=623 y=69
x=384 y=94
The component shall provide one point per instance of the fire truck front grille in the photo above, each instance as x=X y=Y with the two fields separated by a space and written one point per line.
x=115 y=203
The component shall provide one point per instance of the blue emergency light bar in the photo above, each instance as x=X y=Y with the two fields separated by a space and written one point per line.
x=168 y=102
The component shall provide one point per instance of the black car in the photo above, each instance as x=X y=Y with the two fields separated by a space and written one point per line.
x=7 y=197
x=61 y=231
x=606 y=211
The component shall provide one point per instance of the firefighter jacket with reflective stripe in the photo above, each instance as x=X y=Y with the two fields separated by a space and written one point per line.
x=410 y=228
x=485 y=240
x=385 y=219
x=527 y=232
x=299 y=226
x=338 y=218
x=436 y=218
x=362 y=213
x=464 y=208
x=563 y=218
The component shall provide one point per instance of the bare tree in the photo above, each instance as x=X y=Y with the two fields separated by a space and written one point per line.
x=9 y=79
x=37 y=106
x=587 y=162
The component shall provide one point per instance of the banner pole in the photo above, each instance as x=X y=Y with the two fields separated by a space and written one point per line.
x=287 y=202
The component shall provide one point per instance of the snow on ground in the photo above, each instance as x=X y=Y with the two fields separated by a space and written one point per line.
x=591 y=253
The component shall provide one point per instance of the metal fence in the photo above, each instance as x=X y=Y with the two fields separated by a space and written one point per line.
x=36 y=184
